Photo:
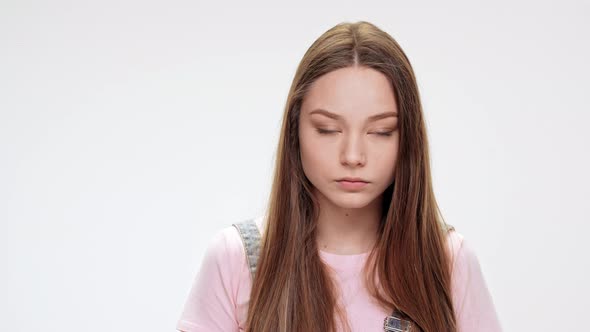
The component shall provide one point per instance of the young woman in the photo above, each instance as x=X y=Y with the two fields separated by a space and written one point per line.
x=353 y=239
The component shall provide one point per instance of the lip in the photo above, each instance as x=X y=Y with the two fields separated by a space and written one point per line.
x=349 y=179
x=352 y=183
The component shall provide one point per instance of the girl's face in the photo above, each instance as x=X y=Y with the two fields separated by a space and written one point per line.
x=348 y=127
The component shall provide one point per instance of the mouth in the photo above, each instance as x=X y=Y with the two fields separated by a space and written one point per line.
x=352 y=180
x=352 y=183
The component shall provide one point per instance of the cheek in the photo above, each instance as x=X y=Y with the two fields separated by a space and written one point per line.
x=311 y=153
x=386 y=160
x=314 y=158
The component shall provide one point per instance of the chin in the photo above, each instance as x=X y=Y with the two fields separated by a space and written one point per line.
x=350 y=200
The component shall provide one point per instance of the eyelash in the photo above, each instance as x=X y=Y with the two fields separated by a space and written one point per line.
x=327 y=132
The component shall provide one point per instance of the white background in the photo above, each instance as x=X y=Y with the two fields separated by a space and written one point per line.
x=132 y=131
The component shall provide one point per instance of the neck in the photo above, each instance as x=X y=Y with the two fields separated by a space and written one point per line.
x=346 y=231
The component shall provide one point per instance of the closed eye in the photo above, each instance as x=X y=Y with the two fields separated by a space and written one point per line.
x=385 y=133
x=326 y=132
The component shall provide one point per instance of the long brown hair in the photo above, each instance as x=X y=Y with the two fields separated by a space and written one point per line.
x=409 y=267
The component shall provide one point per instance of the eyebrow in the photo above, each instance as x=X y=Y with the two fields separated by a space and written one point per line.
x=338 y=117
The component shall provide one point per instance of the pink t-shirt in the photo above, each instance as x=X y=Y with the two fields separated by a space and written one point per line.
x=219 y=296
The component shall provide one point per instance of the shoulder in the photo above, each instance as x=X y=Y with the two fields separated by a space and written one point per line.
x=226 y=250
x=224 y=260
x=465 y=265
x=472 y=300
x=454 y=244
x=216 y=299
x=461 y=252
x=224 y=267
x=225 y=247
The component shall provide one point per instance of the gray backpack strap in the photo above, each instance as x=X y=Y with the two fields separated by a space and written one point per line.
x=251 y=240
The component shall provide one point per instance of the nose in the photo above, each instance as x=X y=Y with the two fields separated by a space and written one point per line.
x=353 y=151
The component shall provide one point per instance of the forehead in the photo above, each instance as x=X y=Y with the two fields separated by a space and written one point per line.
x=351 y=92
